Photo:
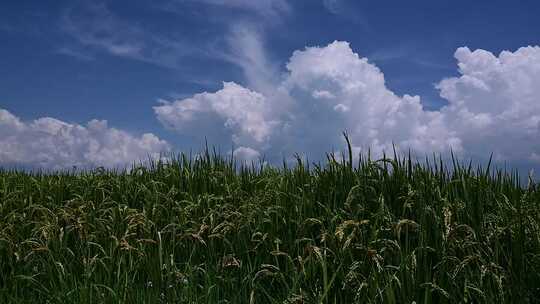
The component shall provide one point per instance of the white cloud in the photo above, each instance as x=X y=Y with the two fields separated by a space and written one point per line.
x=54 y=144
x=318 y=94
x=362 y=104
x=327 y=90
x=493 y=107
x=243 y=114
x=247 y=154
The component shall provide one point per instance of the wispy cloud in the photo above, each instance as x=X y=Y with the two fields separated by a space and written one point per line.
x=270 y=10
x=344 y=9
x=246 y=49
x=396 y=52
x=426 y=62
x=78 y=54
x=410 y=53
x=333 y=6
x=96 y=26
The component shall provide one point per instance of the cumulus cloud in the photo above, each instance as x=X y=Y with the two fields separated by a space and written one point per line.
x=493 y=107
x=240 y=111
x=247 y=154
x=326 y=90
x=55 y=144
x=361 y=103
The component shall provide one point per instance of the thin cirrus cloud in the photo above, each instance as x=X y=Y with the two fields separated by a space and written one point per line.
x=333 y=6
x=270 y=9
x=54 y=144
x=492 y=107
x=96 y=27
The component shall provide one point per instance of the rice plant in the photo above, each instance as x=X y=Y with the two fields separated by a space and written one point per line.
x=208 y=229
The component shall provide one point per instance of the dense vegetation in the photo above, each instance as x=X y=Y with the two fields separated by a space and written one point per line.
x=206 y=230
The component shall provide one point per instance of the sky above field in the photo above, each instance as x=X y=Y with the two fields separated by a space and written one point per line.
x=105 y=83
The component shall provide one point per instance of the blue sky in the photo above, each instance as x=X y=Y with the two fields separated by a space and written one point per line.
x=122 y=61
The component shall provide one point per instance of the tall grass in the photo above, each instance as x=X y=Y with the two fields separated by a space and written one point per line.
x=209 y=230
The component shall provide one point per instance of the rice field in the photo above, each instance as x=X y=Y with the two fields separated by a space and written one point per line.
x=210 y=230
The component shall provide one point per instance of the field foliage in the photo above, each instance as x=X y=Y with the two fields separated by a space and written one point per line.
x=209 y=230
